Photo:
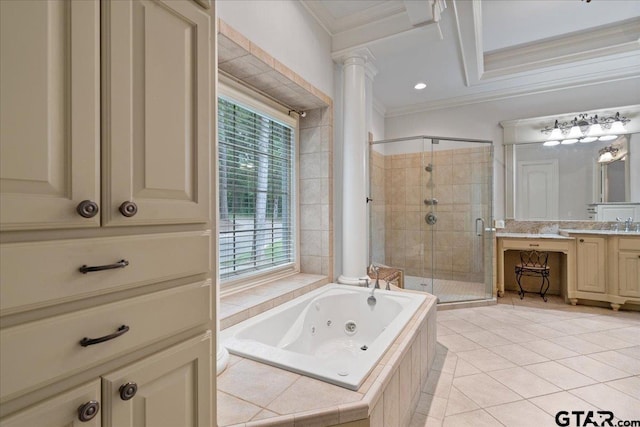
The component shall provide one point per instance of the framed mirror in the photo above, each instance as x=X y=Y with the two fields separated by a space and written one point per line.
x=596 y=181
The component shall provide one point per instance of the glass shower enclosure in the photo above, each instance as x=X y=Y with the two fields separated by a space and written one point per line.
x=431 y=215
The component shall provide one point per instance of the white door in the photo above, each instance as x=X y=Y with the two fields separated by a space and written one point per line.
x=537 y=198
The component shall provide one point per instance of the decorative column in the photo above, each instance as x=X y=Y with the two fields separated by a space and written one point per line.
x=354 y=172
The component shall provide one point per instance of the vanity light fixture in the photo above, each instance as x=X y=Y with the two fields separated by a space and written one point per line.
x=588 y=139
x=586 y=129
x=551 y=143
x=607 y=137
x=611 y=152
x=420 y=86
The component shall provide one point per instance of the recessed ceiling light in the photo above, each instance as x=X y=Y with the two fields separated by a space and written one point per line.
x=420 y=86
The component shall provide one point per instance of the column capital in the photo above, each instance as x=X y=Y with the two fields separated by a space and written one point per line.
x=343 y=56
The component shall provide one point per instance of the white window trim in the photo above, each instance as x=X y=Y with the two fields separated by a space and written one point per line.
x=248 y=98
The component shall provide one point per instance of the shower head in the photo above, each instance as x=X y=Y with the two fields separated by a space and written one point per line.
x=429 y=167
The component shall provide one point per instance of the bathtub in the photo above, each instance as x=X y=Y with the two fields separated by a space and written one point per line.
x=331 y=334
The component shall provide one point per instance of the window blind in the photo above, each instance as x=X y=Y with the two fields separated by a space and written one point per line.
x=256 y=176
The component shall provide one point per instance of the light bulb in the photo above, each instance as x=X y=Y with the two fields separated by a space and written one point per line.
x=607 y=137
x=569 y=141
x=574 y=133
x=588 y=139
x=551 y=143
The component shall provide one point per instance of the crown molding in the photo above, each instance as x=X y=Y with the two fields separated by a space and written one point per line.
x=379 y=107
x=603 y=41
x=335 y=25
x=362 y=52
x=628 y=73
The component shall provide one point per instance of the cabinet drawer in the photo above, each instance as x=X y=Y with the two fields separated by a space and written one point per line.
x=537 y=244
x=629 y=243
x=43 y=351
x=37 y=274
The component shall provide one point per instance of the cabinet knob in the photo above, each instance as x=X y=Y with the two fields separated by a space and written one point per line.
x=581 y=240
x=128 y=390
x=88 y=411
x=87 y=209
x=128 y=209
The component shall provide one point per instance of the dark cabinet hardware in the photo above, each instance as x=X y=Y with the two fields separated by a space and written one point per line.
x=369 y=199
x=128 y=390
x=85 y=342
x=128 y=209
x=581 y=240
x=87 y=209
x=87 y=269
x=88 y=411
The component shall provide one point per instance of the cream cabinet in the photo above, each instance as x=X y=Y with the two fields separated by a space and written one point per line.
x=106 y=126
x=170 y=388
x=607 y=268
x=590 y=257
x=77 y=407
x=629 y=267
x=138 y=154
x=49 y=113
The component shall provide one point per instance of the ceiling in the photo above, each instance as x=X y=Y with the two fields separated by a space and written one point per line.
x=473 y=51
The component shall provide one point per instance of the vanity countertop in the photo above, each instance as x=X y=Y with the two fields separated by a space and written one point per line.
x=533 y=236
x=568 y=232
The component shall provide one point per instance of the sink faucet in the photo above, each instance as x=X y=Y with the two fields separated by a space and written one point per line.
x=627 y=224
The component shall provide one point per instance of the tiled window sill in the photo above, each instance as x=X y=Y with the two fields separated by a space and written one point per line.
x=250 y=302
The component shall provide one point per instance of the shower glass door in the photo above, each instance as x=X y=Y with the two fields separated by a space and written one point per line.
x=431 y=215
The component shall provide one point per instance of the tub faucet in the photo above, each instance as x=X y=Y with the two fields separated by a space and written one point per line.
x=627 y=224
x=372 y=299
x=377 y=270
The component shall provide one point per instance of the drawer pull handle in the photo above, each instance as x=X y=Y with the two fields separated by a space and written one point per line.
x=85 y=342
x=120 y=264
x=128 y=209
x=88 y=411
x=128 y=390
x=87 y=209
x=534 y=245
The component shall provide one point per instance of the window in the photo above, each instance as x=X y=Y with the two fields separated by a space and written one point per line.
x=256 y=153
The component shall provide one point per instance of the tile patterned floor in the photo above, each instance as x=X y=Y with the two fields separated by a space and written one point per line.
x=520 y=362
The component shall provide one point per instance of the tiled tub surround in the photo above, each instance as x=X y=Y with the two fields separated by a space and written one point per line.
x=241 y=305
x=335 y=334
x=254 y=394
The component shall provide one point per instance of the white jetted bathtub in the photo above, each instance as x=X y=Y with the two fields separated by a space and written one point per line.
x=333 y=334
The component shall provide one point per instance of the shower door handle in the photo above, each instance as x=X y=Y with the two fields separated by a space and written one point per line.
x=479 y=231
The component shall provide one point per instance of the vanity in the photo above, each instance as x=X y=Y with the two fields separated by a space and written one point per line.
x=539 y=242
x=597 y=265
x=607 y=267
x=576 y=196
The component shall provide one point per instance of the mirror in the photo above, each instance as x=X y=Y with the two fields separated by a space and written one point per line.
x=575 y=182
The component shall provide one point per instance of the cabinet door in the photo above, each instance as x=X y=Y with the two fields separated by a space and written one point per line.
x=591 y=264
x=158 y=105
x=49 y=113
x=629 y=274
x=173 y=389
x=60 y=411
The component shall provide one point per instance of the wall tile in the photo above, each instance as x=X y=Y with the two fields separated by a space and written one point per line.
x=391 y=401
